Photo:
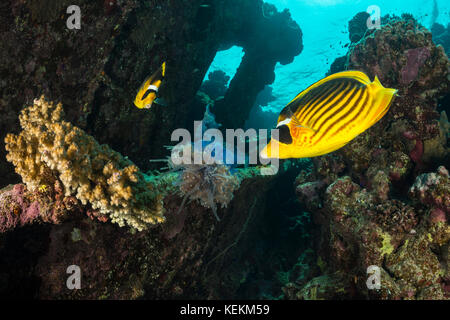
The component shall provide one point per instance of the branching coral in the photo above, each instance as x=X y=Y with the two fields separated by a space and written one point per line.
x=50 y=148
x=210 y=184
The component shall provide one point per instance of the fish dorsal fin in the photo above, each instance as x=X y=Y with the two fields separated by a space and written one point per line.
x=164 y=69
x=352 y=74
x=377 y=82
x=376 y=85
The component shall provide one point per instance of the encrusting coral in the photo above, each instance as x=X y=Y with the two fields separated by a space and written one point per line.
x=433 y=189
x=20 y=206
x=49 y=149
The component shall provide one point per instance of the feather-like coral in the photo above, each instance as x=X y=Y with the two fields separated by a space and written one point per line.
x=212 y=185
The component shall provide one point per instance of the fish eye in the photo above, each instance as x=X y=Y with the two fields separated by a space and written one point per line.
x=284 y=134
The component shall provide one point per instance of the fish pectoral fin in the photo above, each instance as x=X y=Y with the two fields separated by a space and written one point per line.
x=161 y=102
x=305 y=127
x=298 y=124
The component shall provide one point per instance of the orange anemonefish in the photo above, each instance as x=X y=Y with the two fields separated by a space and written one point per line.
x=149 y=89
x=328 y=115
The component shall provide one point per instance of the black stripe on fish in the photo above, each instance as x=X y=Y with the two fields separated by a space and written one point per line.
x=285 y=134
x=337 y=113
x=319 y=93
x=147 y=93
x=361 y=108
x=339 y=106
x=325 y=100
x=341 y=97
x=302 y=103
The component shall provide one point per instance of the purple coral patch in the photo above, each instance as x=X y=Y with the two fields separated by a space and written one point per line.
x=415 y=59
x=30 y=214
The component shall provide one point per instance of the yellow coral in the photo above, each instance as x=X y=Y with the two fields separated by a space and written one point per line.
x=94 y=173
x=387 y=247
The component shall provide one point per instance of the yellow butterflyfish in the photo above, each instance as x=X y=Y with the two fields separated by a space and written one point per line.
x=328 y=115
x=149 y=89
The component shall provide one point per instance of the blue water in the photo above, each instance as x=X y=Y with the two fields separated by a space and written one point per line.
x=324 y=24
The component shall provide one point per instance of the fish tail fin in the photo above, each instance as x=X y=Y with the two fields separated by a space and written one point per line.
x=384 y=101
x=161 y=101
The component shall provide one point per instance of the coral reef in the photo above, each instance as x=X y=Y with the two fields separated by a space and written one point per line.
x=13 y=211
x=94 y=72
x=168 y=261
x=357 y=26
x=64 y=65
x=441 y=35
x=50 y=149
x=415 y=66
x=377 y=201
x=433 y=189
x=311 y=232
x=63 y=167
x=403 y=241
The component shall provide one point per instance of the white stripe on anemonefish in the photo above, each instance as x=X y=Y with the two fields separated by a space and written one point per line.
x=152 y=87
